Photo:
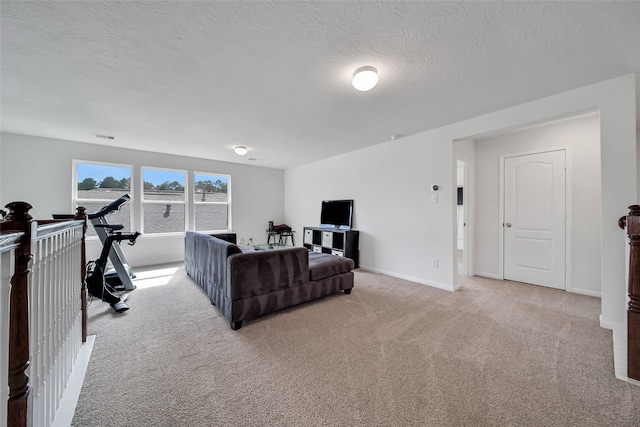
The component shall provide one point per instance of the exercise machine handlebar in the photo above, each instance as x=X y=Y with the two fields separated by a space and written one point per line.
x=118 y=237
x=111 y=207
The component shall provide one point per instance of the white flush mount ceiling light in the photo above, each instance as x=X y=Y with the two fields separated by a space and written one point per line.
x=365 y=78
x=240 y=150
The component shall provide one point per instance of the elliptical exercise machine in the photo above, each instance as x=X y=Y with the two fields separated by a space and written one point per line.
x=96 y=282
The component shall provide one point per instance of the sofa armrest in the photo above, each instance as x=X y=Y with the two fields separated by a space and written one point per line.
x=206 y=260
x=261 y=272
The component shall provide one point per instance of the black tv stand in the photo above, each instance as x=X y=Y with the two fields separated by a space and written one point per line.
x=334 y=241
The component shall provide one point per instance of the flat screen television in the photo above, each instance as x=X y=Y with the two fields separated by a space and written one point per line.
x=336 y=214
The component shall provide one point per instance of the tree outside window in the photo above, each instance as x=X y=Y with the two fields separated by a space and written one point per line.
x=99 y=184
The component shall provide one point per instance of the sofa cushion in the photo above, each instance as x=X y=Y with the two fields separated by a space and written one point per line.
x=263 y=272
x=323 y=265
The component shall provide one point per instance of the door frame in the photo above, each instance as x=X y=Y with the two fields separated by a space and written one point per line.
x=567 y=198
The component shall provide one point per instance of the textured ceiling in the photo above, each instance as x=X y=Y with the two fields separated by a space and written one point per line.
x=197 y=78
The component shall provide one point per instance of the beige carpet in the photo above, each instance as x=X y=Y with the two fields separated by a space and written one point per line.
x=393 y=353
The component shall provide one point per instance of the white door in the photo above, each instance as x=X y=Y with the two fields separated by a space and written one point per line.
x=534 y=219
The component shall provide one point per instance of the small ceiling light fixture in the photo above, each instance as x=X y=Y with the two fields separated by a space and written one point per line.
x=240 y=150
x=365 y=78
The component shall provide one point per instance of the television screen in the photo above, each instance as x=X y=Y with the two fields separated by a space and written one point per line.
x=336 y=214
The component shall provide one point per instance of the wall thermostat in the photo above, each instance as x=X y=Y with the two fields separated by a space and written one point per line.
x=434 y=187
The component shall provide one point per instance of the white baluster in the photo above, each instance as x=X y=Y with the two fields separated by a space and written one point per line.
x=55 y=318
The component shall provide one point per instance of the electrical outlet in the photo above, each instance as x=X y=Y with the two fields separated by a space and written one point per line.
x=434 y=262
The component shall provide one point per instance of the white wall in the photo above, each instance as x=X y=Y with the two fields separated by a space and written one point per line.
x=39 y=171
x=581 y=137
x=392 y=208
x=401 y=231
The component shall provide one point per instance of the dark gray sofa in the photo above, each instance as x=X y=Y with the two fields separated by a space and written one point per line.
x=245 y=285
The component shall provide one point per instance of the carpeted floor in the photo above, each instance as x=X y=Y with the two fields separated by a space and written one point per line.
x=393 y=353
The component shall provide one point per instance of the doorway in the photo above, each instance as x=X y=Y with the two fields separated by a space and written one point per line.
x=534 y=218
x=462 y=240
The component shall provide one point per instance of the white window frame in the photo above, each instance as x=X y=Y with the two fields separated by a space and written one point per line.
x=196 y=202
x=76 y=201
x=164 y=202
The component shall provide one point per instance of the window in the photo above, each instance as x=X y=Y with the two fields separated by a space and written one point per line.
x=163 y=201
x=211 y=200
x=167 y=200
x=97 y=185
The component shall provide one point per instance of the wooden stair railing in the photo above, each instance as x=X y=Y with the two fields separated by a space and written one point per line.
x=81 y=214
x=20 y=411
x=632 y=223
x=19 y=405
x=9 y=241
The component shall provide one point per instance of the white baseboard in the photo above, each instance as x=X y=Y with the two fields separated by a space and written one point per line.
x=409 y=278
x=613 y=326
x=620 y=356
x=572 y=290
x=488 y=275
x=619 y=352
x=585 y=292
x=67 y=408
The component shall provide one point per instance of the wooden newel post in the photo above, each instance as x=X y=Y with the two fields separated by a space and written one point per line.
x=81 y=214
x=19 y=403
x=632 y=223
